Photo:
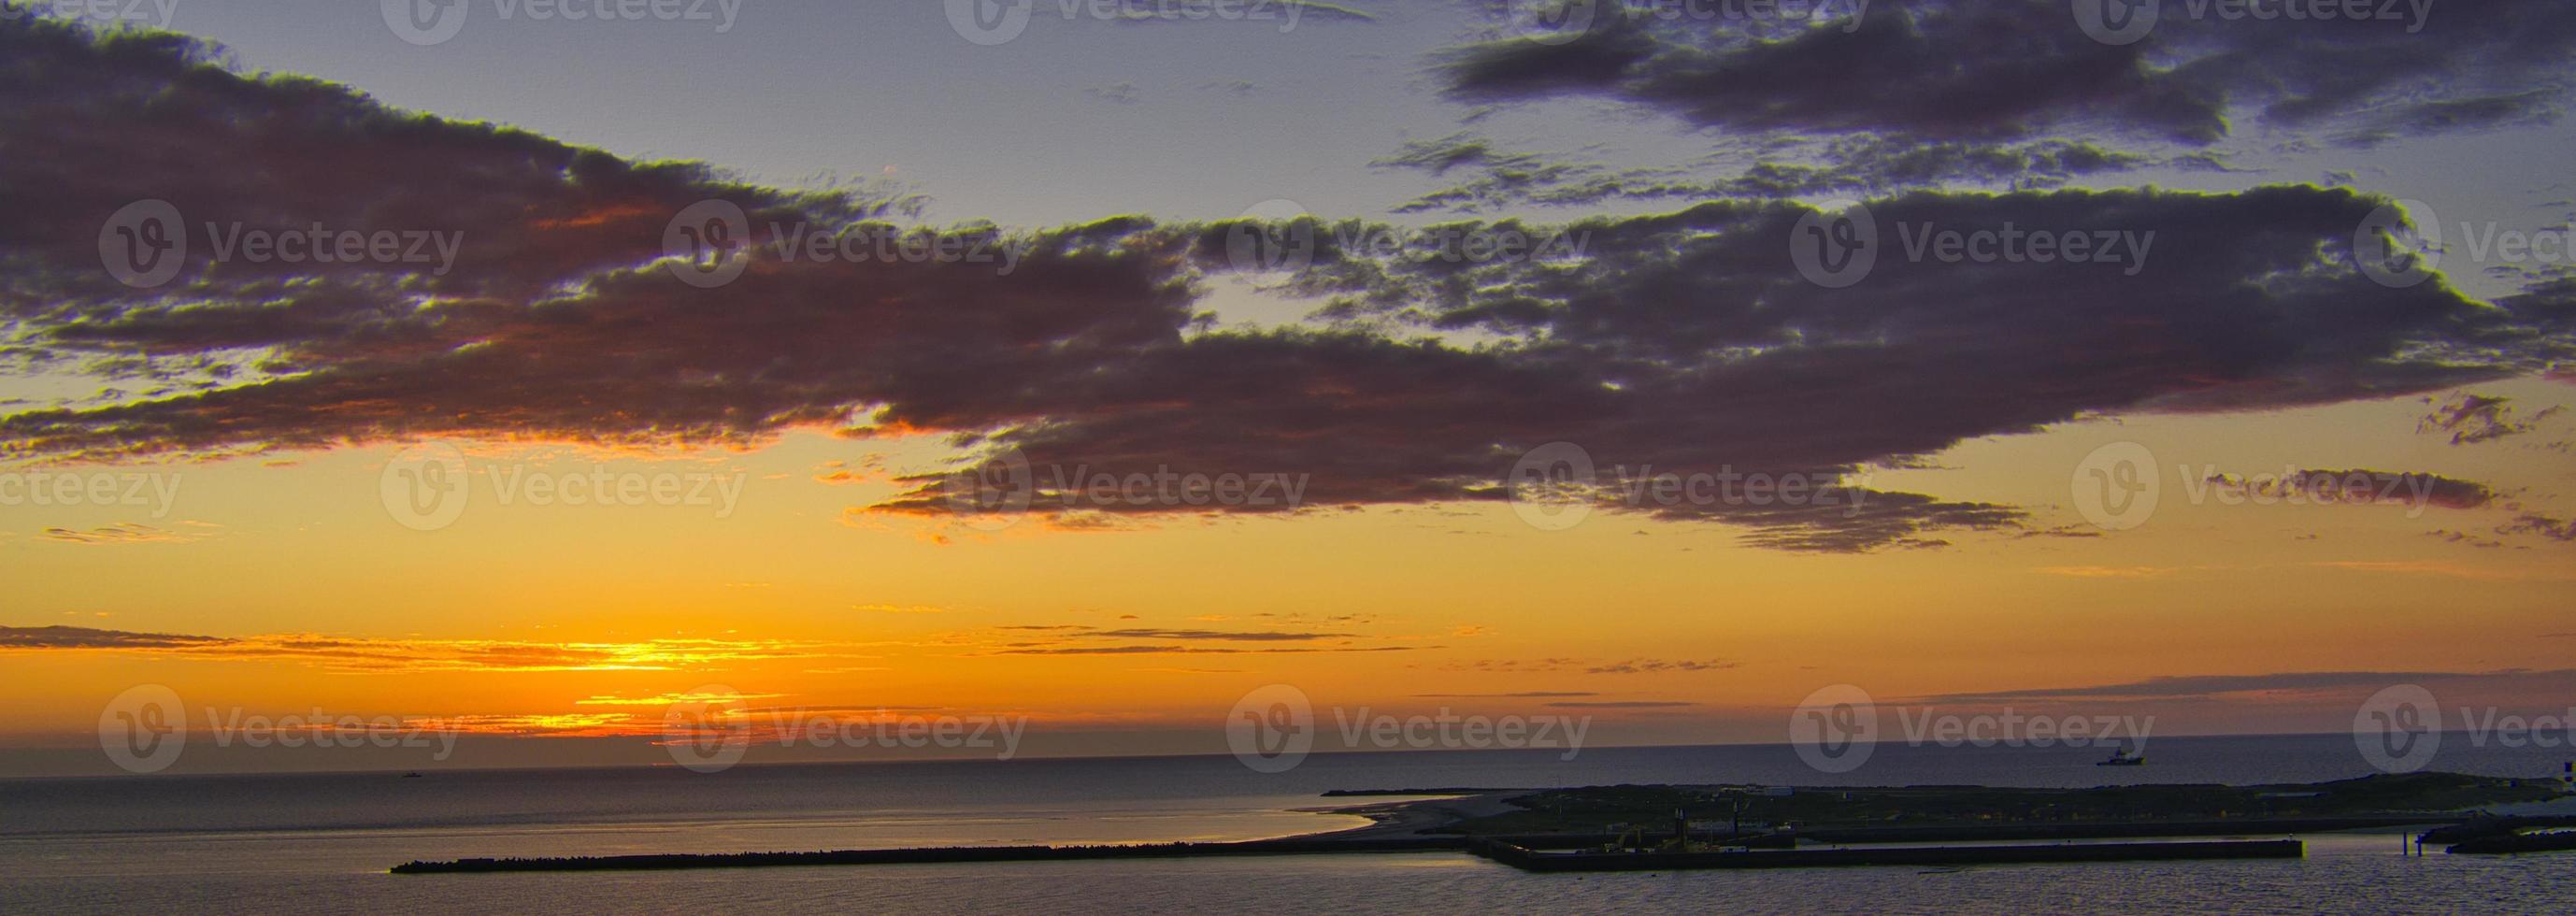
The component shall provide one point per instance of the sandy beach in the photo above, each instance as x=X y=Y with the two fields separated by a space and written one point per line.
x=1406 y=818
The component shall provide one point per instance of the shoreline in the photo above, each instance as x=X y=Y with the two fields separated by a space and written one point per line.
x=1625 y=827
x=1395 y=819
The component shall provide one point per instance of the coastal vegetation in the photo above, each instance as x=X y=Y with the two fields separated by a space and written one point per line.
x=1718 y=808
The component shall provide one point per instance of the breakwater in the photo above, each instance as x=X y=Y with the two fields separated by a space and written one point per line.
x=922 y=856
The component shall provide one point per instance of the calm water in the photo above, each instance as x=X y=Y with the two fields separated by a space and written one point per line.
x=320 y=843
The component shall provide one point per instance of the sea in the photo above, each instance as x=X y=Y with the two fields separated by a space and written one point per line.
x=321 y=843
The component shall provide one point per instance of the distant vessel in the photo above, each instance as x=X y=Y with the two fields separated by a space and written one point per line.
x=2120 y=757
x=411 y=775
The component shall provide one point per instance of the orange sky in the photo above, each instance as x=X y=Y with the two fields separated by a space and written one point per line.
x=576 y=620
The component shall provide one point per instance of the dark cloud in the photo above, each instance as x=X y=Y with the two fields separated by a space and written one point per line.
x=61 y=637
x=1078 y=631
x=2247 y=298
x=2541 y=525
x=2463 y=537
x=355 y=654
x=1710 y=351
x=281 y=152
x=1848 y=166
x=1118 y=94
x=1514 y=665
x=1684 y=343
x=1218 y=635
x=1522 y=695
x=2355 y=487
x=1455 y=151
x=2013 y=68
x=1650 y=665
x=2473 y=418
x=119 y=533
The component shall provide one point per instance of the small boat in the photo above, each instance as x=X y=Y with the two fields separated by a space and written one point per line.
x=2120 y=757
x=411 y=775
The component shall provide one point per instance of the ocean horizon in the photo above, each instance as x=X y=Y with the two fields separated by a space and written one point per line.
x=280 y=840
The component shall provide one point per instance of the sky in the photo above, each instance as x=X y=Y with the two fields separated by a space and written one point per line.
x=1109 y=372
